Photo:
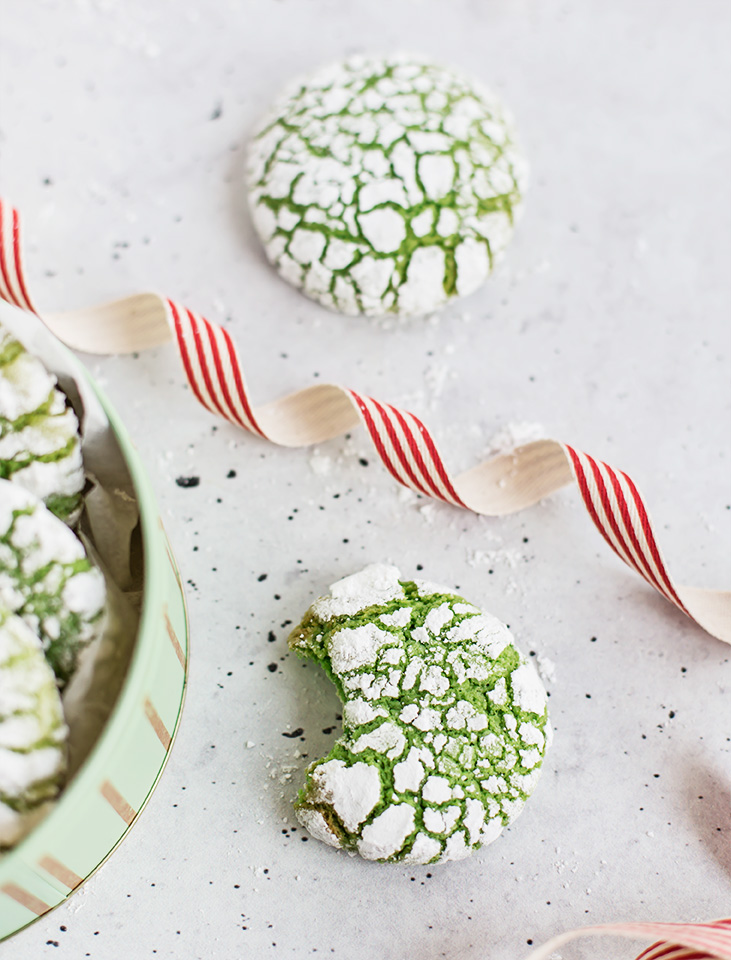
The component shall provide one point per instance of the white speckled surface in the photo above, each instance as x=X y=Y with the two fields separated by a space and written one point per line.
x=122 y=134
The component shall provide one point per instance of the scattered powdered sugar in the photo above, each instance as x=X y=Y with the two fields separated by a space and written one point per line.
x=435 y=378
x=320 y=464
x=546 y=668
x=514 y=435
x=428 y=512
x=509 y=556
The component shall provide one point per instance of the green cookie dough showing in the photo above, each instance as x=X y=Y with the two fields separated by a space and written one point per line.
x=385 y=185
x=445 y=723
x=32 y=731
x=39 y=433
x=47 y=579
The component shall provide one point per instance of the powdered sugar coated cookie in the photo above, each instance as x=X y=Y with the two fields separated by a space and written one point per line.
x=385 y=185
x=445 y=723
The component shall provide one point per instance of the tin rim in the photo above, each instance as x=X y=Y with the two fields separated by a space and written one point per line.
x=155 y=556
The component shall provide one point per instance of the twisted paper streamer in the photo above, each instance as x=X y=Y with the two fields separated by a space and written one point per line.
x=677 y=941
x=501 y=486
x=504 y=485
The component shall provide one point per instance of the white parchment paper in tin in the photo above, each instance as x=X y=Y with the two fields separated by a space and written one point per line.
x=107 y=529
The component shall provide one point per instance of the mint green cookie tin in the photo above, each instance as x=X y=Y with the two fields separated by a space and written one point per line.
x=110 y=789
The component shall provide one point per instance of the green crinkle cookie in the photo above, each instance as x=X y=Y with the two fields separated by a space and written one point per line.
x=47 y=579
x=32 y=730
x=385 y=185
x=39 y=433
x=445 y=723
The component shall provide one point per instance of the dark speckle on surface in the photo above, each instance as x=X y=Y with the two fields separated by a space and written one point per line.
x=272 y=668
x=295 y=733
x=186 y=482
x=262 y=577
x=231 y=474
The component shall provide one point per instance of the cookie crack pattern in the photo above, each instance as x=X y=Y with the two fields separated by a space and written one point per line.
x=445 y=723
x=47 y=579
x=32 y=730
x=40 y=447
x=385 y=185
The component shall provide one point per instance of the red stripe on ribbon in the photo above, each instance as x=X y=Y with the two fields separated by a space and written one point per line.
x=700 y=941
x=11 y=298
x=611 y=515
x=185 y=357
x=437 y=461
x=221 y=376
x=672 y=951
x=239 y=382
x=398 y=447
x=416 y=454
x=375 y=435
x=651 y=542
x=195 y=327
x=17 y=255
x=629 y=527
x=580 y=476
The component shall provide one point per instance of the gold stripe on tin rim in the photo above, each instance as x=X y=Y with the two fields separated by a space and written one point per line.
x=173 y=639
x=60 y=871
x=26 y=899
x=115 y=799
x=157 y=725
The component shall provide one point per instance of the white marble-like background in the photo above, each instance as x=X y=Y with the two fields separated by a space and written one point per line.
x=122 y=133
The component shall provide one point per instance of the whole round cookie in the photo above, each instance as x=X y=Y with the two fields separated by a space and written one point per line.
x=39 y=433
x=445 y=723
x=32 y=730
x=385 y=185
x=47 y=579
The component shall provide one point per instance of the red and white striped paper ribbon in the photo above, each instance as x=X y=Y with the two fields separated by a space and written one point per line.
x=673 y=941
x=506 y=484
x=500 y=486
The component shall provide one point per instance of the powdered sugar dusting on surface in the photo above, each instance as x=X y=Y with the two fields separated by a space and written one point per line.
x=515 y=434
x=546 y=668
